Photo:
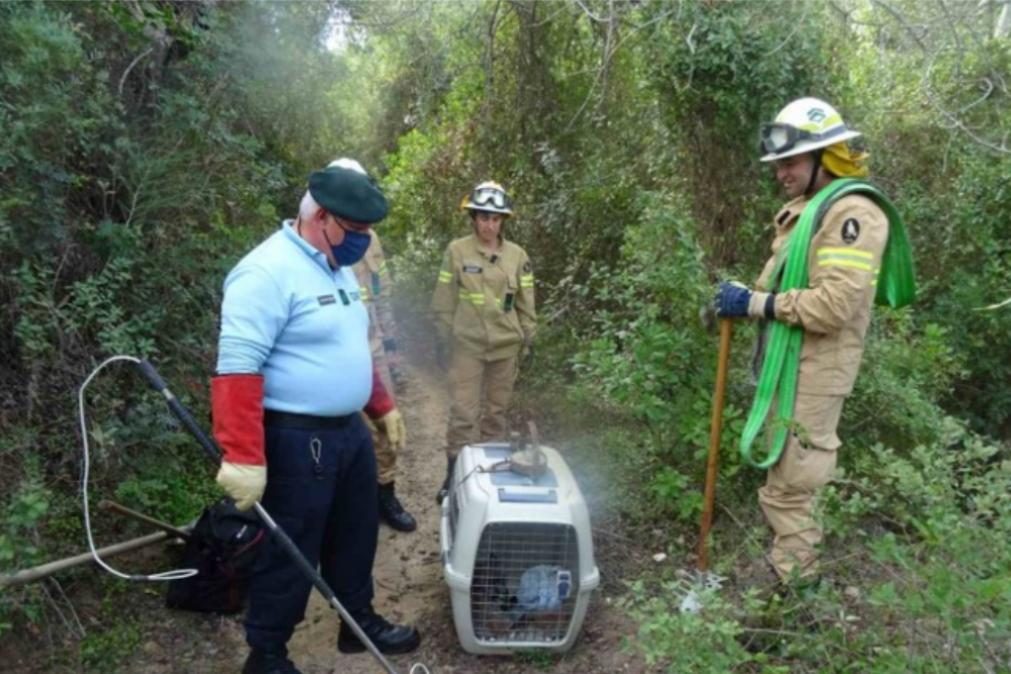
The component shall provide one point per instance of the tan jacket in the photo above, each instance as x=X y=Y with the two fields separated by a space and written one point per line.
x=377 y=291
x=473 y=295
x=843 y=264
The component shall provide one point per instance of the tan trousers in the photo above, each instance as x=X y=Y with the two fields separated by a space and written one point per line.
x=386 y=456
x=807 y=463
x=479 y=393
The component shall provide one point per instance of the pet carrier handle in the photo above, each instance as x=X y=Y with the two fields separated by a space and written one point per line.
x=506 y=496
x=181 y=413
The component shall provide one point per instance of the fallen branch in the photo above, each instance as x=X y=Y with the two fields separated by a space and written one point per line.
x=38 y=572
x=157 y=524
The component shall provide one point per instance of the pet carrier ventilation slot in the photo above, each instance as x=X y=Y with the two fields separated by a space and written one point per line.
x=517 y=553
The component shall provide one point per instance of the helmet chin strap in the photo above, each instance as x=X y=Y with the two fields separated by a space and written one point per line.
x=816 y=155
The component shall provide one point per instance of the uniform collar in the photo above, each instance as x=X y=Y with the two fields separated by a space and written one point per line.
x=476 y=244
x=788 y=214
x=288 y=230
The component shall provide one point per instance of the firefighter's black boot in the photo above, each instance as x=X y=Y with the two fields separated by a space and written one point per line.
x=444 y=490
x=392 y=512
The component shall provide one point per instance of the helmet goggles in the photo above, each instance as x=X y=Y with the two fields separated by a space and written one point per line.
x=490 y=196
x=776 y=138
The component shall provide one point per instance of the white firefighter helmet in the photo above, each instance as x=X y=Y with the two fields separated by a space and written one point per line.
x=488 y=196
x=805 y=125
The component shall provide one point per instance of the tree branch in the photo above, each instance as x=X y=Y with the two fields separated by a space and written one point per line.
x=133 y=63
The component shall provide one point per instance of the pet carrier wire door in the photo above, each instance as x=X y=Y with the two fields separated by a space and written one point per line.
x=517 y=553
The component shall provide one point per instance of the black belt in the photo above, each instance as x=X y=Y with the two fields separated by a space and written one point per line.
x=306 y=421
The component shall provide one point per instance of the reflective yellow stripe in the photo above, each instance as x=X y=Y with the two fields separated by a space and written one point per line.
x=365 y=292
x=477 y=299
x=527 y=281
x=382 y=267
x=445 y=276
x=845 y=252
x=838 y=262
x=845 y=257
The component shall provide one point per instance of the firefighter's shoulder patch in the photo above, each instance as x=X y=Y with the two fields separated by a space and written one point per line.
x=850 y=230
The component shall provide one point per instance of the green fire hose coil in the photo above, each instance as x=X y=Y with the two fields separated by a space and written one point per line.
x=777 y=381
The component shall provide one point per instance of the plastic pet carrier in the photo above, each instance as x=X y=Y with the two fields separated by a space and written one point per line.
x=517 y=551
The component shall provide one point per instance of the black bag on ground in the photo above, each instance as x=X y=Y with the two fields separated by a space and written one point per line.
x=222 y=548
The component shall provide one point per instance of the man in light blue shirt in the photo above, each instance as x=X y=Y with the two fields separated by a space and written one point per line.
x=294 y=372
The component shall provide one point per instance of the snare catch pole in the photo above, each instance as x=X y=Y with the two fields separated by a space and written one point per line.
x=214 y=453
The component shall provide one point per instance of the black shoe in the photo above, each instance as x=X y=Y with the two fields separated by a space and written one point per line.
x=387 y=637
x=444 y=490
x=392 y=512
x=268 y=662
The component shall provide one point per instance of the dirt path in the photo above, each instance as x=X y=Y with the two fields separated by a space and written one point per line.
x=409 y=588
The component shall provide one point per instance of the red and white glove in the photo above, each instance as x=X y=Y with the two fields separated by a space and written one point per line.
x=237 y=410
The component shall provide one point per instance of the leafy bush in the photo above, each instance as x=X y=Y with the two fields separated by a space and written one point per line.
x=939 y=596
x=25 y=510
x=907 y=371
x=689 y=641
x=21 y=546
x=909 y=587
x=131 y=182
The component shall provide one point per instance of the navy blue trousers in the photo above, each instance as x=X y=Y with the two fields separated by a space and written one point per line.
x=321 y=489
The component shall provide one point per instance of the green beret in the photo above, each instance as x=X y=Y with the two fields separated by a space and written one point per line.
x=348 y=194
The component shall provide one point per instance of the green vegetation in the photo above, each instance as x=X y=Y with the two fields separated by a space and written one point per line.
x=147 y=145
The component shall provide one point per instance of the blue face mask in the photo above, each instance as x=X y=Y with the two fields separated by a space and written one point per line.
x=352 y=248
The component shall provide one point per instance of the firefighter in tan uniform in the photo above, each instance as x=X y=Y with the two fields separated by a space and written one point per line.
x=376 y=290
x=484 y=309
x=807 y=144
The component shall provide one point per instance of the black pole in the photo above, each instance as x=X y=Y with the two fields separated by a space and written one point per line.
x=214 y=454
